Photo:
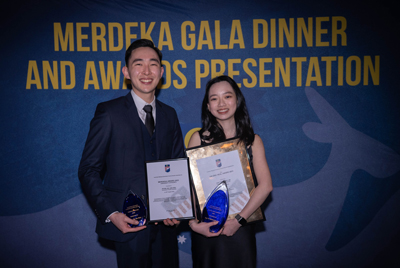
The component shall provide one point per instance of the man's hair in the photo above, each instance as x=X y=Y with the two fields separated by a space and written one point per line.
x=141 y=43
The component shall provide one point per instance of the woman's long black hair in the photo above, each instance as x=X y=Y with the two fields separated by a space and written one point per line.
x=244 y=130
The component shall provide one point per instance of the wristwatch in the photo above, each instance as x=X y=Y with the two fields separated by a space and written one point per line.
x=240 y=219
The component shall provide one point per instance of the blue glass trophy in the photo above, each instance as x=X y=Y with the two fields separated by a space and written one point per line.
x=135 y=208
x=216 y=207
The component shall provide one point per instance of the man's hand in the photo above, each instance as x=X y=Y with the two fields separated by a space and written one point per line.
x=170 y=222
x=121 y=221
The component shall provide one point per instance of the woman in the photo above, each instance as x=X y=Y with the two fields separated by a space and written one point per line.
x=224 y=116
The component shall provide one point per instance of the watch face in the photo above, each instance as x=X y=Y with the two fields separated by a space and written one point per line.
x=240 y=219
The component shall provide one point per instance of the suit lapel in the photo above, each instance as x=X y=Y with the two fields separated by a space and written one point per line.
x=136 y=121
x=161 y=126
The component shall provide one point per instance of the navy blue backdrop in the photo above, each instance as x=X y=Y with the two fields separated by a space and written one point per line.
x=319 y=78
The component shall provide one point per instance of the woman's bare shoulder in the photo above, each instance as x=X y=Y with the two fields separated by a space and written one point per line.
x=194 y=140
x=258 y=145
x=257 y=139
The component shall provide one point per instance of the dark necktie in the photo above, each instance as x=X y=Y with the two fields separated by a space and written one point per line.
x=149 y=122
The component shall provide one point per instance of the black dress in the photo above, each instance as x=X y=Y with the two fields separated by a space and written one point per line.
x=222 y=251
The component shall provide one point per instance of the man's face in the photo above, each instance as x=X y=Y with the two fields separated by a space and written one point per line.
x=145 y=71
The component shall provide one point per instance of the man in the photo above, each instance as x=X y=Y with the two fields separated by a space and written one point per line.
x=119 y=142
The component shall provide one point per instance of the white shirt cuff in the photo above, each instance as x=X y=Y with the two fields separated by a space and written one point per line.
x=108 y=218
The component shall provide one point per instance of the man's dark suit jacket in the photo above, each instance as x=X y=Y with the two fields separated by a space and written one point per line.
x=113 y=160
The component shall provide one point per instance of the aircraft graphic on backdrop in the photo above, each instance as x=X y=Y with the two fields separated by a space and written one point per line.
x=304 y=222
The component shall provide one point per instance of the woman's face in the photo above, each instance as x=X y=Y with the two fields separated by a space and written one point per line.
x=222 y=101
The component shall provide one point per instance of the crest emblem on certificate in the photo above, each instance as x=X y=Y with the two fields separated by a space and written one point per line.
x=218 y=162
x=167 y=168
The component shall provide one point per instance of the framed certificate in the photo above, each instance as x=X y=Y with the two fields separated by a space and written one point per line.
x=168 y=190
x=225 y=161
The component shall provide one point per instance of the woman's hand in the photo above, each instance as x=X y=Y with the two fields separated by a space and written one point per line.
x=231 y=227
x=203 y=228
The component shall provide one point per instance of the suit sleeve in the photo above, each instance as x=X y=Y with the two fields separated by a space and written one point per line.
x=93 y=163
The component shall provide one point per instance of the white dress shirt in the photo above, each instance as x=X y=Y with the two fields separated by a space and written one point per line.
x=140 y=104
